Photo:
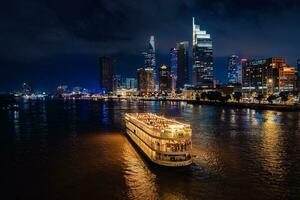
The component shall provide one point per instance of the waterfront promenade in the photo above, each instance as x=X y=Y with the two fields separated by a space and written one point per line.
x=252 y=105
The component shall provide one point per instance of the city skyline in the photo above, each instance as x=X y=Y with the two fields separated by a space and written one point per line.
x=60 y=46
x=139 y=99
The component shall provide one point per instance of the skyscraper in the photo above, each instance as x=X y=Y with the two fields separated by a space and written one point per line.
x=117 y=82
x=232 y=70
x=173 y=65
x=165 y=79
x=149 y=58
x=106 y=74
x=202 y=57
x=298 y=71
x=145 y=80
x=241 y=67
x=182 y=64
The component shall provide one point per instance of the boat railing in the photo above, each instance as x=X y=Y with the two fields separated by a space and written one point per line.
x=171 y=148
x=167 y=133
x=173 y=158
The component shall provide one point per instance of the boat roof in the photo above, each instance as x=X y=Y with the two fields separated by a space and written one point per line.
x=158 y=122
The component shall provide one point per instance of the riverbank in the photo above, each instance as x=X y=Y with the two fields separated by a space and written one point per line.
x=256 y=106
x=241 y=105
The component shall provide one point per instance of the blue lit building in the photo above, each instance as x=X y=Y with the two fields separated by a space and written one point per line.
x=233 y=69
x=173 y=63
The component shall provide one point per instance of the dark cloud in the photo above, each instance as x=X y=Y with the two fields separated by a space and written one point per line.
x=35 y=35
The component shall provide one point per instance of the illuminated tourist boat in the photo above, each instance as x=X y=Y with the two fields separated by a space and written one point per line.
x=164 y=141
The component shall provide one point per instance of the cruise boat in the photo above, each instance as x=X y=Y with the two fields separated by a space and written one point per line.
x=164 y=141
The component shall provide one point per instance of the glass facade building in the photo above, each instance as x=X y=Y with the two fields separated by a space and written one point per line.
x=233 y=69
x=298 y=72
x=173 y=63
x=150 y=58
x=165 y=79
x=131 y=83
x=182 y=64
x=203 y=70
x=106 y=74
x=268 y=76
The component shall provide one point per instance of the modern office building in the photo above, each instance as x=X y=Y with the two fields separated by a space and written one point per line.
x=106 y=74
x=287 y=79
x=149 y=59
x=262 y=76
x=117 y=82
x=145 y=80
x=182 y=78
x=233 y=69
x=203 y=69
x=298 y=72
x=131 y=83
x=165 y=79
x=242 y=64
x=173 y=65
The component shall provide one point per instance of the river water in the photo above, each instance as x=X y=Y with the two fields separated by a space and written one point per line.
x=78 y=150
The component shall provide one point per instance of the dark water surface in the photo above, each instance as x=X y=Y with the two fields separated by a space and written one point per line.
x=77 y=150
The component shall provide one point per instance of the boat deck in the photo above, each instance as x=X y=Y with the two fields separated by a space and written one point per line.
x=157 y=123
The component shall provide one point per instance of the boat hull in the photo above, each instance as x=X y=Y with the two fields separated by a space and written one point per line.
x=151 y=154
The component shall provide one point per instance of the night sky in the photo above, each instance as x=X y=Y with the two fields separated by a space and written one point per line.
x=52 y=42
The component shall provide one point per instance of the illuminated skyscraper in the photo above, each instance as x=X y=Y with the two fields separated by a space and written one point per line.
x=298 y=71
x=149 y=58
x=173 y=63
x=145 y=80
x=233 y=69
x=182 y=64
x=106 y=74
x=202 y=57
x=241 y=66
x=165 y=79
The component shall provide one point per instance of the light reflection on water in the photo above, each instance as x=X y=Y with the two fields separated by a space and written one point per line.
x=139 y=179
x=77 y=149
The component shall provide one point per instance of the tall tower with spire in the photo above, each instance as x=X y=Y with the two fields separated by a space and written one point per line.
x=149 y=55
x=149 y=58
x=202 y=58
